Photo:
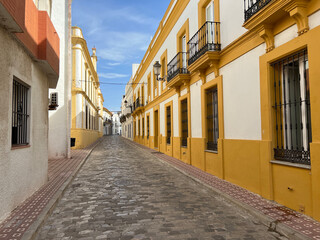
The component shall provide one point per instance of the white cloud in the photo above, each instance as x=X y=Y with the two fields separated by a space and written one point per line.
x=112 y=75
x=114 y=64
x=122 y=46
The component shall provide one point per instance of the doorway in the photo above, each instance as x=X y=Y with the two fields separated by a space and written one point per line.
x=156 y=129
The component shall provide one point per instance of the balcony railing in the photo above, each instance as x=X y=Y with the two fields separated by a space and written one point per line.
x=138 y=103
x=206 y=39
x=251 y=7
x=178 y=65
x=122 y=118
x=127 y=111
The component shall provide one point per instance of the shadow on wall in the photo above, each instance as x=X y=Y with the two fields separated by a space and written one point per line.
x=58 y=135
x=84 y=137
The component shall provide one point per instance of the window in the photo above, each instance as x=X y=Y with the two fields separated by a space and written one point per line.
x=184 y=122
x=292 y=108
x=210 y=12
x=143 y=127
x=139 y=127
x=212 y=119
x=168 y=125
x=20 y=114
x=148 y=127
x=86 y=117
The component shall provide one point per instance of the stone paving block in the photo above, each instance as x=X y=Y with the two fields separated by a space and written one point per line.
x=123 y=193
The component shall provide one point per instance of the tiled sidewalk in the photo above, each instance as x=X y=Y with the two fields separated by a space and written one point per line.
x=278 y=216
x=26 y=218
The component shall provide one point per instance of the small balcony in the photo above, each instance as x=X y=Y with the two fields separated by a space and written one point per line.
x=138 y=106
x=122 y=118
x=177 y=70
x=251 y=7
x=178 y=65
x=127 y=111
x=36 y=32
x=206 y=40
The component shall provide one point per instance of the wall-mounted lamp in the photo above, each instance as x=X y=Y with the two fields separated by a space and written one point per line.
x=157 y=69
x=126 y=103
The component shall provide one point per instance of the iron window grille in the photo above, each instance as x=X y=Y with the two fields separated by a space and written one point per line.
x=251 y=7
x=148 y=127
x=206 y=39
x=20 y=114
x=139 y=128
x=178 y=65
x=168 y=125
x=292 y=108
x=212 y=119
x=184 y=122
x=143 y=127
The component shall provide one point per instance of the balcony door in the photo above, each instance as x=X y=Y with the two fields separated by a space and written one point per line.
x=210 y=19
x=156 y=129
x=184 y=51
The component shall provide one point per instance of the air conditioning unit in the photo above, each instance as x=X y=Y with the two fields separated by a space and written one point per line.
x=53 y=101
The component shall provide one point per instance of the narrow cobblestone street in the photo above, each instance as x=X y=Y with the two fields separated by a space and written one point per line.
x=122 y=192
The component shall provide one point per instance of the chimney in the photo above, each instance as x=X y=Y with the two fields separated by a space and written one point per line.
x=94 y=58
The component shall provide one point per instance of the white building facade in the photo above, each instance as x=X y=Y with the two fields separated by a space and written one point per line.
x=28 y=70
x=60 y=119
x=127 y=107
x=107 y=122
x=116 y=124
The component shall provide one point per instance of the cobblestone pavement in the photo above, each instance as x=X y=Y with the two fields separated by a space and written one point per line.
x=125 y=193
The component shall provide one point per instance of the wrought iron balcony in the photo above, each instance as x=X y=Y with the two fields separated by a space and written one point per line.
x=206 y=39
x=178 y=65
x=137 y=104
x=122 y=118
x=251 y=7
x=127 y=111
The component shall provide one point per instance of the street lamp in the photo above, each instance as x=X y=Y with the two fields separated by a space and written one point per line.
x=157 y=69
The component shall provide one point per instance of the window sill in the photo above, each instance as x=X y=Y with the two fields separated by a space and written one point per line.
x=211 y=151
x=184 y=146
x=14 y=147
x=297 y=165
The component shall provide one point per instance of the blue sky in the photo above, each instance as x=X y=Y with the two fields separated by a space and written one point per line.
x=121 y=31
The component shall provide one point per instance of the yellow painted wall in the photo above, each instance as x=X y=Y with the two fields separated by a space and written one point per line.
x=176 y=148
x=292 y=187
x=315 y=175
x=214 y=163
x=242 y=163
x=197 y=149
x=84 y=137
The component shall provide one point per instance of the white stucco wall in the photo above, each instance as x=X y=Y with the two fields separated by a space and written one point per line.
x=195 y=100
x=59 y=120
x=241 y=96
x=314 y=20
x=231 y=18
x=22 y=171
x=285 y=36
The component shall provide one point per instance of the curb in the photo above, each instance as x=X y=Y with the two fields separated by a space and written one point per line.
x=34 y=228
x=272 y=225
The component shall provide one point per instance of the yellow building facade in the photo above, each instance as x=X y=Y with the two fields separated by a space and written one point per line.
x=87 y=99
x=237 y=95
